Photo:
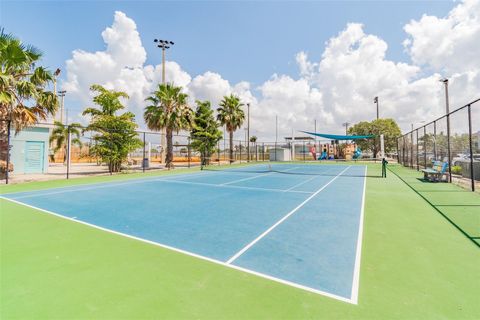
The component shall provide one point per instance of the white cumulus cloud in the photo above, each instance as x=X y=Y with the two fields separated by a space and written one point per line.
x=338 y=88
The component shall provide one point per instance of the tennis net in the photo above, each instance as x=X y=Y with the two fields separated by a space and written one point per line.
x=297 y=168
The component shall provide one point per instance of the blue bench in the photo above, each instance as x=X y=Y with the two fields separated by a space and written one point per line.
x=436 y=172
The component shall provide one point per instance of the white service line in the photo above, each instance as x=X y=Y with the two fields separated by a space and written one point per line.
x=230 y=186
x=255 y=177
x=248 y=246
x=301 y=183
x=259 y=274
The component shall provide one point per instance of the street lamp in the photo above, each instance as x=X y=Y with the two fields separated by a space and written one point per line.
x=375 y=100
x=163 y=44
x=447 y=109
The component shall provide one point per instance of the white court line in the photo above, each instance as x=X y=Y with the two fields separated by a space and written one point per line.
x=256 y=177
x=248 y=246
x=358 y=255
x=302 y=183
x=262 y=275
x=90 y=186
x=233 y=187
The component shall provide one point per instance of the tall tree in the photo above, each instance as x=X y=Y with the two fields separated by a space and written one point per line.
x=205 y=134
x=168 y=109
x=24 y=99
x=387 y=127
x=231 y=115
x=59 y=137
x=115 y=134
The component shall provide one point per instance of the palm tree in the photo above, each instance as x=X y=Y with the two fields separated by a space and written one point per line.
x=253 y=139
x=115 y=133
x=59 y=137
x=23 y=99
x=168 y=109
x=231 y=115
x=108 y=100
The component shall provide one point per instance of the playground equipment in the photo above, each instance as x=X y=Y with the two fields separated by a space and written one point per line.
x=358 y=153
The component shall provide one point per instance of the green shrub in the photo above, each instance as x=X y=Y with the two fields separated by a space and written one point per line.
x=456 y=170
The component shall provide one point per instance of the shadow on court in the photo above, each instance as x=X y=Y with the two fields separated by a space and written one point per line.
x=458 y=206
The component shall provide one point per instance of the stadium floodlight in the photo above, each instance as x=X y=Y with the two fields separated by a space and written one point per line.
x=164 y=45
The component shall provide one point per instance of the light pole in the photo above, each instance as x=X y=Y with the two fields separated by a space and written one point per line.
x=164 y=45
x=346 y=124
x=375 y=100
x=62 y=94
x=447 y=108
x=55 y=75
x=248 y=132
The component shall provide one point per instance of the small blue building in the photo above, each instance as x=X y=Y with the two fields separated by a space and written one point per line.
x=29 y=151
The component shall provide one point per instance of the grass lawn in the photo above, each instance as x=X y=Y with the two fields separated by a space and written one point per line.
x=415 y=264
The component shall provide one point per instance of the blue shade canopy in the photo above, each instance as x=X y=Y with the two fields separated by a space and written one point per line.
x=338 y=137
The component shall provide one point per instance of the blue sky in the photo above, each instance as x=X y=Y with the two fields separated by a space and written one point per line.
x=240 y=40
x=301 y=61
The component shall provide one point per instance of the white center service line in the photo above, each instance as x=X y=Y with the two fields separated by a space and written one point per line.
x=255 y=177
x=248 y=246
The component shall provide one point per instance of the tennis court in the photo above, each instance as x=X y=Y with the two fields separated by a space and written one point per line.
x=298 y=224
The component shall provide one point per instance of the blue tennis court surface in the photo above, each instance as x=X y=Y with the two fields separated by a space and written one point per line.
x=299 y=224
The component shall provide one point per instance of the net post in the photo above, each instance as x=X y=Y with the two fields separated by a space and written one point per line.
x=472 y=176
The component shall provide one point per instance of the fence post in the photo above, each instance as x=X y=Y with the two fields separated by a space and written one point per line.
x=417 y=149
x=411 y=149
x=143 y=160
x=263 y=151
x=240 y=144
x=7 y=171
x=472 y=176
x=275 y=150
x=188 y=153
x=403 y=152
x=425 y=147
x=435 y=140
x=303 y=151
x=68 y=152
x=398 y=153
x=448 y=149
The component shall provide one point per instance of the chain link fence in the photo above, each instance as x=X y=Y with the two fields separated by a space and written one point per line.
x=453 y=138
